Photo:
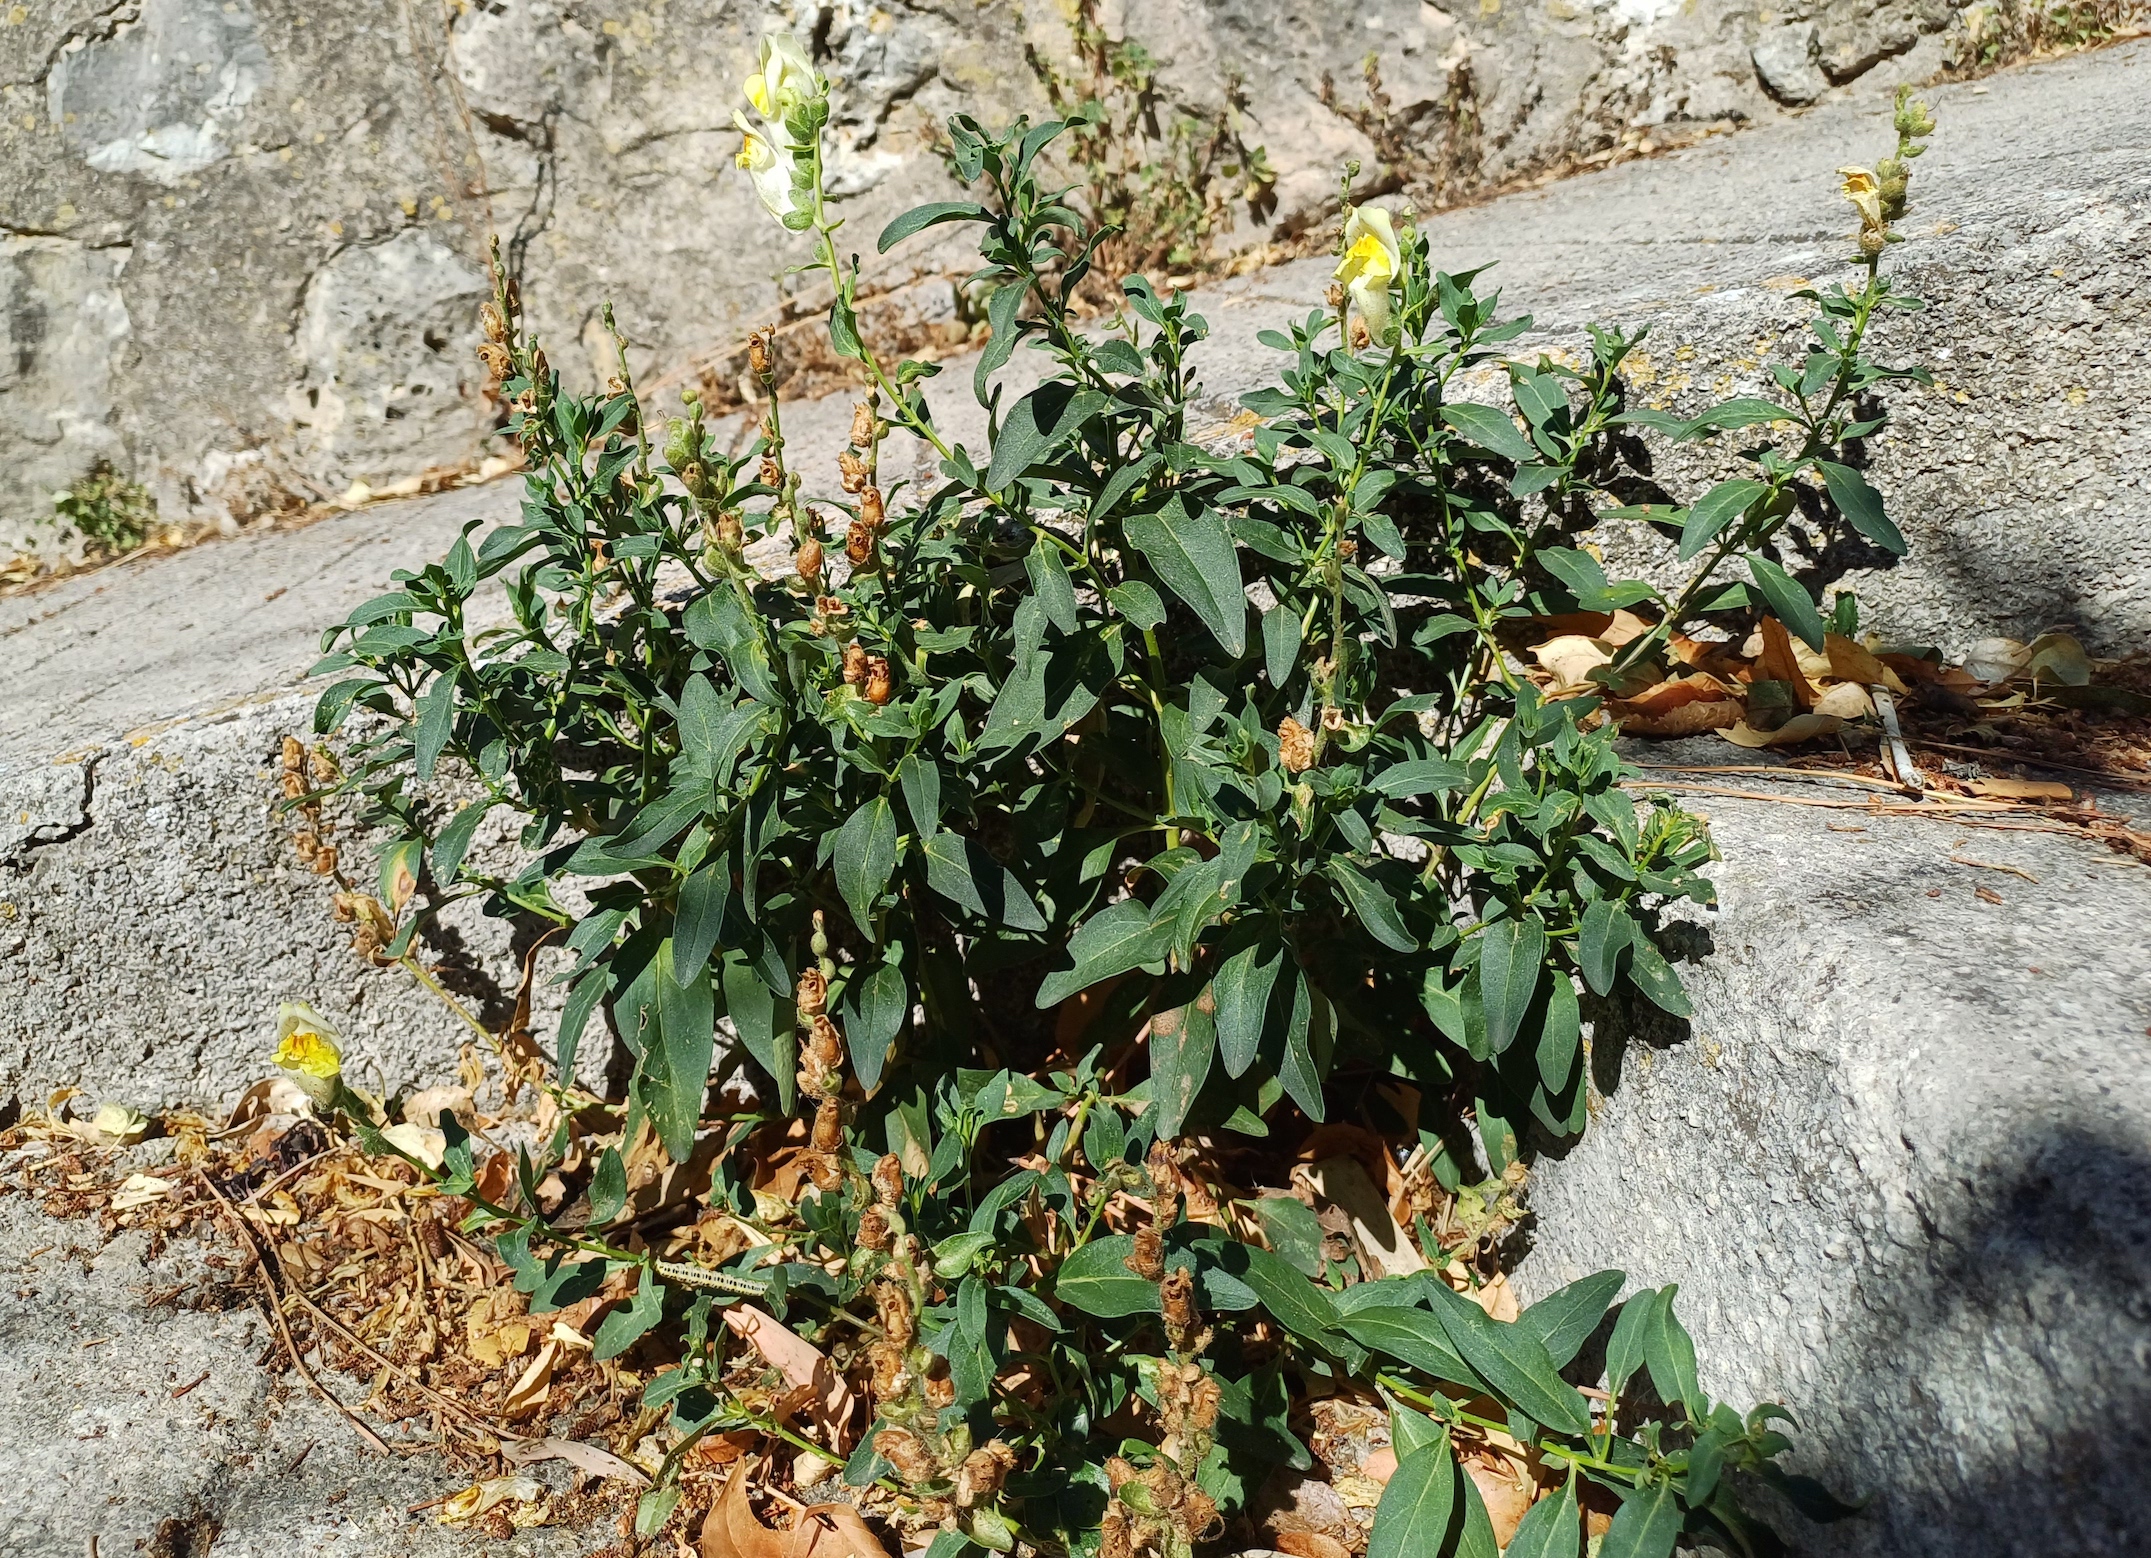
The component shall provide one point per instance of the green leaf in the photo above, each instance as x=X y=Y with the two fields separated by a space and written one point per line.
x=1624 y=1349
x=865 y=858
x=625 y=1326
x=1491 y=430
x=1193 y=553
x=1096 y=1280
x=919 y=218
x=1410 y=1336
x=1280 y=643
x=1563 y=1321
x=1292 y=1300
x=1293 y=1232
x=1714 y=510
x=1375 y=910
x=1036 y=425
x=1512 y=1360
x=1410 y=1431
x=608 y=1187
x=1511 y=951
x=1669 y=1354
x=1562 y=1035
x=921 y=781
x=1242 y=989
x=1138 y=602
x=700 y=918
x=1419 y=776
x=960 y=870
x=1646 y=1526
x=1050 y=583
x=1600 y=941
x=454 y=841
x=676 y=1066
x=1650 y=973
x=1551 y=1528
x=1112 y=941
x=1310 y=1037
x=1412 y=1520
x=1180 y=1057
x=1862 y=507
x=876 y=1008
x=436 y=712
x=1789 y=600
x=764 y=1023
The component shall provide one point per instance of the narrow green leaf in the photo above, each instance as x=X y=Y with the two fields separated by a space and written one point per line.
x=700 y=918
x=1419 y=776
x=625 y=1326
x=1714 y=510
x=876 y=1008
x=1789 y=599
x=1372 y=906
x=1562 y=1035
x=1624 y=1349
x=1193 y=554
x=1510 y=954
x=960 y=870
x=1310 y=1036
x=1646 y=1526
x=454 y=841
x=1512 y=1360
x=1182 y=1045
x=1862 y=506
x=1280 y=643
x=1551 y=1528
x=1654 y=976
x=919 y=218
x=1242 y=988
x=1112 y=941
x=1138 y=602
x=1491 y=430
x=864 y=859
x=1563 y=1321
x=1600 y=941
x=436 y=712
x=678 y=1064
x=1050 y=584
x=1096 y=1280
x=1412 y=1520
x=764 y=1023
x=1412 y=1336
x=1669 y=1354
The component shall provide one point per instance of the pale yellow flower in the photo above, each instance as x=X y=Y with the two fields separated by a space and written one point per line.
x=770 y=171
x=786 y=78
x=306 y=1043
x=117 y=1122
x=1863 y=189
x=1372 y=264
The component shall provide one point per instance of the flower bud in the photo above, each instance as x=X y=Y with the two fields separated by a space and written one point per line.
x=731 y=535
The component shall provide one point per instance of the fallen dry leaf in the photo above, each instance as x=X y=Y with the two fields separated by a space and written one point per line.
x=1497 y=1298
x=1505 y=1496
x=804 y=1367
x=587 y=1458
x=1310 y=1544
x=1385 y=1249
x=733 y=1530
x=1689 y=717
x=1778 y=663
x=479 y=1497
x=1851 y=663
x=140 y=1190
x=530 y=1391
x=1381 y=1465
x=1801 y=727
x=1845 y=700
x=2020 y=789
x=1571 y=658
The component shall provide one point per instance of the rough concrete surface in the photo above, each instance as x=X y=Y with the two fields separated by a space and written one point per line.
x=1900 y=1166
x=121 y=1410
x=237 y=239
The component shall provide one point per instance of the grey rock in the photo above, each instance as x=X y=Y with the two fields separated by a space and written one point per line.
x=226 y=204
x=1900 y=1166
x=1785 y=61
x=121 y=1411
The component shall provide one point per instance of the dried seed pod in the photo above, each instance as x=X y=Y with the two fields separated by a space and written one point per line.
x=983 y=1471
x=323 y=767
x=1176 y=1293
x=809 y=560
x=871 y=509
x=1348 y=549
x=496 y=328
x=762 y=353
x=1119 y=1472
x=1113 y=1539
x=888 y=1179
x=892 y=1304
x=854 y=665
x=859 y=544
x=1199 y=1517
x=1332 y=718
x=294 y=754
x=827 y=1177
x=828 y=1126
x=874 y=1232
x=1147 y=1259
x=294 y=786
x=769 y=473
x=1203 y=1401
x=731 y=535
x=325 y=860
x=886 y=1365
x=825 y=1046
x=1295 y=746
x=878 y=685
x=1334 y=297
x=1164 y=1484
x=812 y=992
x=901 y=1449
x=305 y=846
x=862 y=425
x=854 y=471
x=496 y=359
x=938 y=1389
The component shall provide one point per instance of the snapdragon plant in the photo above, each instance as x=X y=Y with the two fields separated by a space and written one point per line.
x=1105 y=798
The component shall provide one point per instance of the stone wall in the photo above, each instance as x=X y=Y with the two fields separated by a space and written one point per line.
x=241 y=241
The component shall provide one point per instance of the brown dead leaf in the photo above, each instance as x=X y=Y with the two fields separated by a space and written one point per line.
x=733 y=1530
x=1801 y=727
x=1850 y=663
x=1380 y=1465
x=1571 y=658
x=1846 y=701
x=530 y=1391
x=1661 y=699
x=1310 y=1544
x=586 y=1458
x=494 y=1177
x=1778 y=663
x=1385 y=1249
x=2020 y=789
x=1342 y=1138
x=804 y=1367
x=1690 y=718
x=1497 y=1298
x=1507 y=1497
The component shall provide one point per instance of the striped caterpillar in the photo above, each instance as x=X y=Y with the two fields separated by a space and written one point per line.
x=701 y=1277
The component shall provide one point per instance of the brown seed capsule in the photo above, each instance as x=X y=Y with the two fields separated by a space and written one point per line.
x=827 y=1177
x=893 y=1305
x=325 y=860
x=859 y=544
x=812 y=992
x=825 y=1045
x=323 y=767
x=514 y=293
x=306 y=846
x=1113 y=1540
x=294 y=753
x=294 y=786
x=1334 y=297
x=1177 y=1295
x=1348 y=549
x=769 y=473
x=891 y=1378
x=938 y=1389
x=874 y=1232
x=983 y=1471
x=878 y=685
x=828 y=1126
x=762 y=353
x=1203 y=1400
x=1147 y=1259
x=809 y=559
x=1167 y=1490
x=496 y=359
x=901 y=1449
x=871 y=509
x=862 y=425
x=496 y=328
x=1295 y=746
x=854 y=471
x=889 y=1180
x=1332 y=718
x=540 y=368
x=731 y=535
x=1199 y=1516
x=854 y=665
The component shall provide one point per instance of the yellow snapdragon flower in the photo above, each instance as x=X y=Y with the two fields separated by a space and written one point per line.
x=1372 y=264
x=771 y=173
x=786 y=77
x=307 y=1051
x=1863 y=189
